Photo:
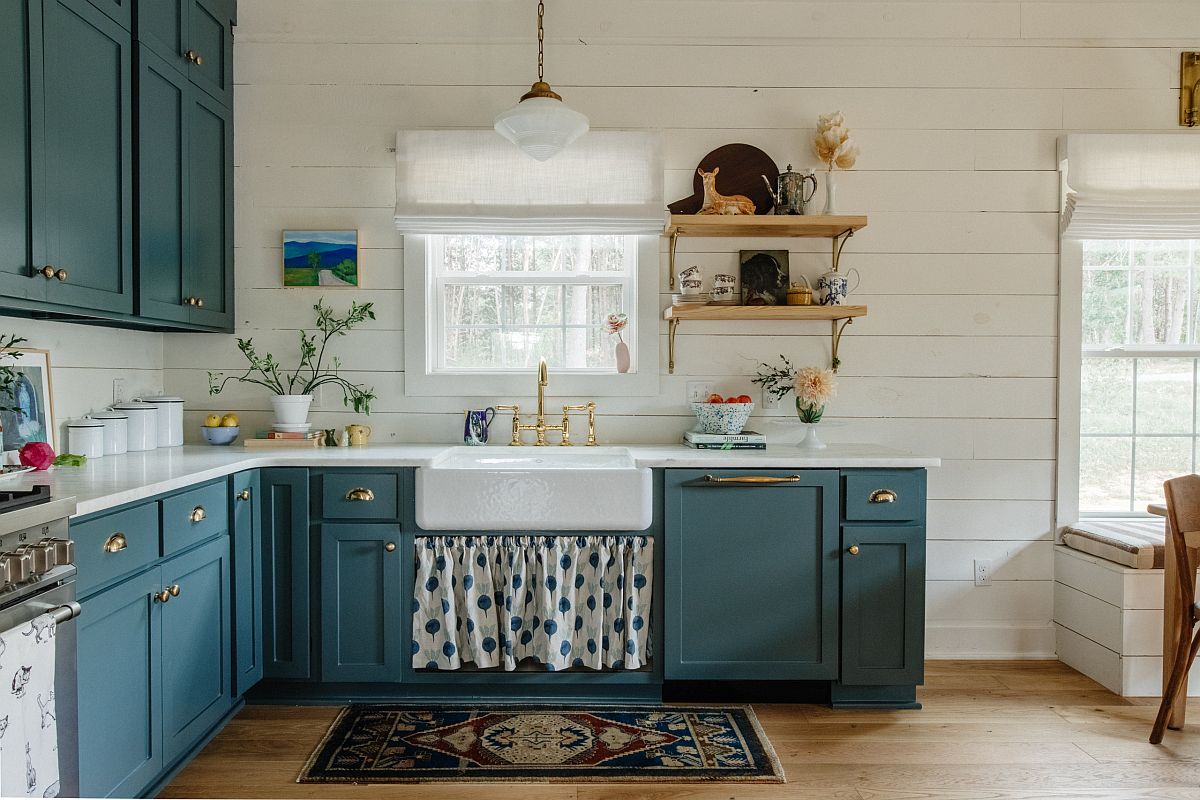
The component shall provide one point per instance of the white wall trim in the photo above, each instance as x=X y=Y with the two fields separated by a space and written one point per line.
x=1070 y=362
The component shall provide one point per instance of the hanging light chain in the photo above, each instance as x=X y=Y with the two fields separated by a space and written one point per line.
x=541 y=37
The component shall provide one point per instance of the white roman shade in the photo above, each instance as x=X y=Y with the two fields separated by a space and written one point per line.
x=1132 y=186
x=473 y=181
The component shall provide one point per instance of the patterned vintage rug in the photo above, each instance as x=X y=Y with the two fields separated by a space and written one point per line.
x=665 y=744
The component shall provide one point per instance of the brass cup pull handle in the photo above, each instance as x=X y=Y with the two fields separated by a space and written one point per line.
x=390 y=547
x=198 y=515
x=61 y=274
x=174 y=590
x=115 y=543
x=46 y=272
x=757 y=480
x=162 y=597
x=244 y=494
x=360 y=495
x=883 y=496
x=852 y=549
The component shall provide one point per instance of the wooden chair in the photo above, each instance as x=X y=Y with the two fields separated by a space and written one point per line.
x=1183 y=533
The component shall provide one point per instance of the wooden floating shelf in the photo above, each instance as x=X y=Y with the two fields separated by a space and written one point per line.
x=751 y=313
x=764 y=225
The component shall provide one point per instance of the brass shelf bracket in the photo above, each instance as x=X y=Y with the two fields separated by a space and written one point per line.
x=1189 y=89
x=839 y=244
x=671 y=259
x=837 y=330
x=672 y=325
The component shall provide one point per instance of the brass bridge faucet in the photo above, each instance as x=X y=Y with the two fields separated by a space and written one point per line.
x=539 y=426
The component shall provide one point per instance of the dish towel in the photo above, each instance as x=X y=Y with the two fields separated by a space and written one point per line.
x=28 y=730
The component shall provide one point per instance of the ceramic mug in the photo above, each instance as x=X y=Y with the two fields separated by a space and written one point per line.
x=475 y=425
x=358 y=434
x=834 y=287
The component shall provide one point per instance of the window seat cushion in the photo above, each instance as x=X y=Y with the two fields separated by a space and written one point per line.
x=1135 y=543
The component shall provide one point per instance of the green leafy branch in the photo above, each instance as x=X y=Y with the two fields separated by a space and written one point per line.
x=9 y=350
x=776 y=379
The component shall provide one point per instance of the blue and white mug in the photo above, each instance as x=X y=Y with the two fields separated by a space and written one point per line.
x=834 y=287
x=475 y=425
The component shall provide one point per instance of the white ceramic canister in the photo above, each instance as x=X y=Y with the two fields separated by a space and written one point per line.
x=143 y=425
x=170 y=420
x=116 y=431
x=85 y=437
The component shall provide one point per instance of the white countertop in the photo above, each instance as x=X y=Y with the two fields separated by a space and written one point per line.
x=111 y=481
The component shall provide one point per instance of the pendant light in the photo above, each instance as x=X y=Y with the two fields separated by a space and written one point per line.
x=541 y=124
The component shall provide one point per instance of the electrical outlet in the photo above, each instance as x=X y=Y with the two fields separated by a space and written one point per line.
x=698 y=391
x=120 y=394
x=769 y=401
x=983 y=572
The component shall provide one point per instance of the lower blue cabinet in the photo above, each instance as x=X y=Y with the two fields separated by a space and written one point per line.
x=287 y=636
x=361 y=627
x=120 y=689
x=246 y=554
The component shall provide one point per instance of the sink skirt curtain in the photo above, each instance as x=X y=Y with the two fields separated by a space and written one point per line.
x=567 y=601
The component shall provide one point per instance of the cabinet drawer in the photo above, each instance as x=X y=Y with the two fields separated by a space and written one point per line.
x=194 y=516
x=114 y=545
x=892 y=495
x=360 y=495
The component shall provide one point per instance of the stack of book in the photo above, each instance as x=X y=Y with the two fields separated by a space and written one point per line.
x=746 y=440
x=287 y=439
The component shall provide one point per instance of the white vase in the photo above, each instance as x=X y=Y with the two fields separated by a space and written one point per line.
x=830 y=194
x=622 y=357
x=811 y=441
x=291 y=409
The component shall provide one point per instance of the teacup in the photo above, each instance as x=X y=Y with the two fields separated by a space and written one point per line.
x=690 y=286
x=692 y=272
x=723 y=293
x=724 y=280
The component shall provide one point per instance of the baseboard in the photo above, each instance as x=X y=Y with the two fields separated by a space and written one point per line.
x=996 y=641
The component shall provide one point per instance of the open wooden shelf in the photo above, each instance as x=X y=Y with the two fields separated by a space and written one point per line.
x=764 y=225
x=750 y=313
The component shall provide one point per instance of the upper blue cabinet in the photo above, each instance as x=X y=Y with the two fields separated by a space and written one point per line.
x=194 y=37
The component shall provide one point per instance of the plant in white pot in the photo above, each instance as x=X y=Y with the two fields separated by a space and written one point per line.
x=293 y=390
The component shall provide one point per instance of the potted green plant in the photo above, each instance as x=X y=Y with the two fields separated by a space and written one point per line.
x=292 y=391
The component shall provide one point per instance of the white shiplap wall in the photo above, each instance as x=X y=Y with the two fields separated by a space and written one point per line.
x=957 y=106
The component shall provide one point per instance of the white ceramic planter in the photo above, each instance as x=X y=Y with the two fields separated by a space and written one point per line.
x=291 y=409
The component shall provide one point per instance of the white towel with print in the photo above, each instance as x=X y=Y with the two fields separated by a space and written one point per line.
x=28 y=730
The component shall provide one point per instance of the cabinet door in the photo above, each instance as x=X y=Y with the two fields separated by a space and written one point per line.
x=883 y=605
x=247 y=583
x=209 y=277
x=162 y=26
x=210 y=40
x=163 y=224
x=196 y=645
x=119 y=11
x=360 y=602
x=20 y=148
x=285 y=535
x=120 y=689
x=88 y=157
x=751 y=574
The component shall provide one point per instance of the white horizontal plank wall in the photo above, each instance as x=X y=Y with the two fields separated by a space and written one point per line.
x=957 y=107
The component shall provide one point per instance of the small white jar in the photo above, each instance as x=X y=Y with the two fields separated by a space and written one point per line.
x=143 y=425
x=116 y=431
x=85 y=437
x=170 y=420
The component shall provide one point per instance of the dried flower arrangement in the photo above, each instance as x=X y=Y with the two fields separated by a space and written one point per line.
x=832 y=142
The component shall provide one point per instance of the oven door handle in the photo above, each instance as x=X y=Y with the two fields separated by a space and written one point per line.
x=62 y=613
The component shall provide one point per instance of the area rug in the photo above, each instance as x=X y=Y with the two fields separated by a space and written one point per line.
x=665 y=744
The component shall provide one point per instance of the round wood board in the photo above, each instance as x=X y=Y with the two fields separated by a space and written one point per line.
x=742 y=167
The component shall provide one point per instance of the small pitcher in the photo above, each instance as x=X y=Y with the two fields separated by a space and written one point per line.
x=475 y=425
x=834 y=287
x=358 y=434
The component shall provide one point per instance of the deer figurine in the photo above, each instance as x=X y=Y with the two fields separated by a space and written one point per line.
x=717 y=203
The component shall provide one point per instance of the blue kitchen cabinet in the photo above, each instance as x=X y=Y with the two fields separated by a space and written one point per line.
x=361 y=626
x=120 y=11
x=246 y=551
x=287 y=635
x=209 y=275
x=752 y=568
x=210 y=38
x=120 y=688
x=162 y=27
x=196 y=645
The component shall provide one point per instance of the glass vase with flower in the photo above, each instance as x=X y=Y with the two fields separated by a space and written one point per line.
x=813 y=388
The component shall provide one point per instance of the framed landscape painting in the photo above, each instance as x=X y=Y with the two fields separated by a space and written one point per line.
x=27 y=413
x=320 y=258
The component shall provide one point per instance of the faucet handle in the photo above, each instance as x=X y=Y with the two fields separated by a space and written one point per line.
x=590 y=408
x=516 y=423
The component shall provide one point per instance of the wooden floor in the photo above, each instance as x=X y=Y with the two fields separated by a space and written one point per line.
x=994 y=730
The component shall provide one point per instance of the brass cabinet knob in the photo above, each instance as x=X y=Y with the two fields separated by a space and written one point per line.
x=115 y=543
x=162 y=597
x=174 y=589
x=61 y=274
x=360 y=495
x=390 y=547
x=852 y=549
x=187 y=301
x=883 y=496
x=244 y=494
x=194 y=57
x=198 y=515
x=46 y=272
x=199 y=302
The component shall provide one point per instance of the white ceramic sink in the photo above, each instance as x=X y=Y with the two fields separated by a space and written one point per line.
x=534 y=489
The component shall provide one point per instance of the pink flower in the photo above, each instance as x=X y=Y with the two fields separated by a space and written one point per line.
x=616 y=323
x=814 y=387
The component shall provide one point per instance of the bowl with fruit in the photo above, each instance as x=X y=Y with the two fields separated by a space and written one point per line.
x=220 y=429
x=724 y=414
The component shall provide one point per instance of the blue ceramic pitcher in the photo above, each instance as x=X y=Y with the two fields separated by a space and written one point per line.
x=475 y=426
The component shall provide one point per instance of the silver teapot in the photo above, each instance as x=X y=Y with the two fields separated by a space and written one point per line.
x=789 y=195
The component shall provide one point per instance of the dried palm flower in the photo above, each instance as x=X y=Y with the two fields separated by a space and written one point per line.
x=814 y=387
x=832 y=143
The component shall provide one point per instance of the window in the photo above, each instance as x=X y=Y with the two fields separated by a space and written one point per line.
x=499 y=303
x=1139 y=376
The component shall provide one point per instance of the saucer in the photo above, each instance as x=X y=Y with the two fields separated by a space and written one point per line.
x=282 y=427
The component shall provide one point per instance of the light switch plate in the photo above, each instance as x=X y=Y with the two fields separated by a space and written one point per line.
x=120 y=393
x=769 y=401
x=983 y=572
x=698 y=391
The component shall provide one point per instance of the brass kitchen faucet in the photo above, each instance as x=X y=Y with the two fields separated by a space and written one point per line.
x=539 y=426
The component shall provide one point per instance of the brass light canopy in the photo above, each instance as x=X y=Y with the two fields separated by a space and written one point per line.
x=1189 y=89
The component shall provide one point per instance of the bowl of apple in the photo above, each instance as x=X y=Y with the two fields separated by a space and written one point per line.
x=723 y=414
x=220 y=430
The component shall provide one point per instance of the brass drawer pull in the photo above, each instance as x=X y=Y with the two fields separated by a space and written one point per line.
x=174 y=590
x=198 y=515
x=390 y=547
x=360 y=495
x=115 y=543
x=852 y=549
x=244 y=494
x=883 y=496
x=766 y=480
x=162 y=597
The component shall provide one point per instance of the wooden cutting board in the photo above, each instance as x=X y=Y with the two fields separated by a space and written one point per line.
x=742 y=167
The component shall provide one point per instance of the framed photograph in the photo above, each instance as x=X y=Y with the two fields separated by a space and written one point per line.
x=764 y=277
x=28 y=409
x=320 y=258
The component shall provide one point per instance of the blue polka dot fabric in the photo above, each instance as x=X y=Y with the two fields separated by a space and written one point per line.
x=564 y=601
